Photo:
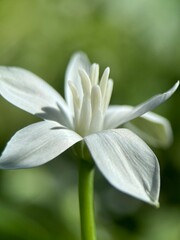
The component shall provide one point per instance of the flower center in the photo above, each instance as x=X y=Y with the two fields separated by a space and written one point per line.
x=90 y=100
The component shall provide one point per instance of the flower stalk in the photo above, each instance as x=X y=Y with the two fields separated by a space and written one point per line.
x=86 y=200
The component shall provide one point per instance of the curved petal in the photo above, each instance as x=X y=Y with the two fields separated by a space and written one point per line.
x=30 y=93
x=115 y=114
x=139 y=110
x=153 y=128
x=37 y=144
x=127 y=163
x=78 y=61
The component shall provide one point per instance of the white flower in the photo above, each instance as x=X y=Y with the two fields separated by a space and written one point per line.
x=123 y=158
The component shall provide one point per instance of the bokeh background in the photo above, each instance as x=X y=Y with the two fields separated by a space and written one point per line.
x=139 y=40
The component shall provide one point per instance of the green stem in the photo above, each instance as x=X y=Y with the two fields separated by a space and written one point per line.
x=86 y=200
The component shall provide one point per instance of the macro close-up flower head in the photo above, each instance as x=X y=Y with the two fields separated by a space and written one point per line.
x=113 y=137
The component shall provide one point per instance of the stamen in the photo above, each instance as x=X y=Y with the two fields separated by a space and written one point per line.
x=96 y=98
x=97 y=116
x=74 y=92
x=85 y=116
x=76 y=103
x=108 y=94
x=92 y=101
x=96 y=122
x=85 y=82
x=104 y=80
x=94 y=74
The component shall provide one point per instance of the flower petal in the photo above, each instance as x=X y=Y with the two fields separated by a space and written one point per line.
x=37 y=144
x=127 y=163
x=153 y=128
x=30 y=93
x=140 y=109
x=115 y=114
x=78 y=61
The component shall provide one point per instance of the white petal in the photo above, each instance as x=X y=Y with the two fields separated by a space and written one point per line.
x=127 y=163
x=115 y=114
x=30 y=93
x=77 y=62
x=153 y=128
x=142 y=108
x=37 y=144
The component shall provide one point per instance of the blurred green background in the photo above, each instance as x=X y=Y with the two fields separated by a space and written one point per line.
x=139 y=40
